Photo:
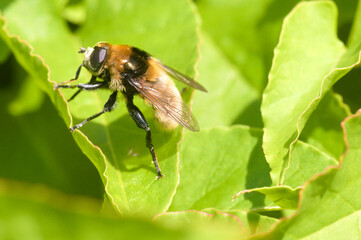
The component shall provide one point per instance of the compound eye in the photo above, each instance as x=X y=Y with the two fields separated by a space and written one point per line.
x=97 y=58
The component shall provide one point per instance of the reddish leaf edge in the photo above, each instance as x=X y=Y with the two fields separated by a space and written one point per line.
x=317 y=98
x=314 y=178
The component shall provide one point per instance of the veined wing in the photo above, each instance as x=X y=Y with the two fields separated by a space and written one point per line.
x=162 y=98
x=181 y=77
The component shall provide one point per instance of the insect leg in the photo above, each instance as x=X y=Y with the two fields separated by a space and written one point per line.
x=92 y=80
x=84 y=86
x=142 y=123
x=71 y=80
x=109 y=105
x=74 y=95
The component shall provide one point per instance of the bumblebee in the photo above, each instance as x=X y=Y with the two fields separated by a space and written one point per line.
x=131 y=71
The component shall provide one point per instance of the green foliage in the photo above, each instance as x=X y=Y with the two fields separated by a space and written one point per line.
x=271 y=137
x=317 y=217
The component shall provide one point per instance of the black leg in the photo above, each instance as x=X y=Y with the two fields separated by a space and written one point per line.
x=142 y=123
x=92 y=80
x=84 y=86
x=71 y=80
x=74 y=95
x=109 y=105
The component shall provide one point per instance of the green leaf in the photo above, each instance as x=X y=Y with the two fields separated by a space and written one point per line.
x=35 y=145
x=346 y=14
x=4 y=51
x=112 y=142
x=230 y=99
x=75 y=12
x=306 y=161
x=211 y=173
x=241 y=37
x=323 y=129
x=236 y=79
x=355 y=33
x=330 y=205
x=220 y=166
x=293 y=92
x=284 y=196
x=50 y=215
x=242 y=47
x=242 y=223
x=5 y=3
x=29 y=98
x=43 y=28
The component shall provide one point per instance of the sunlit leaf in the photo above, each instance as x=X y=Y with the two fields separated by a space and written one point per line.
x=323 y=129
x=242 y=223
x=285 y=197
x=229 y=160
x=330 y=205
x=230 y=99
x=306 y=162
x=300 y=77
x=241 y=37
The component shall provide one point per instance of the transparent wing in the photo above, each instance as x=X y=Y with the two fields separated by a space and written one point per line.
x=160 y=96
x=181 y=77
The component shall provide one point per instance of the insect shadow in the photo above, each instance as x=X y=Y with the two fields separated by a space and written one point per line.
x=123 y=143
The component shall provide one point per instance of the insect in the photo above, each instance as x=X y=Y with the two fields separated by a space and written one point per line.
x=131 y=71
